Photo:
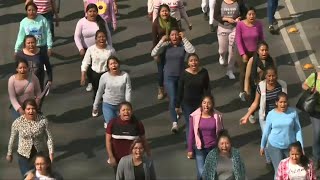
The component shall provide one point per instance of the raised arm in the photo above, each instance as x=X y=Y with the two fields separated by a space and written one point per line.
x=188 y=47
x=159 y=48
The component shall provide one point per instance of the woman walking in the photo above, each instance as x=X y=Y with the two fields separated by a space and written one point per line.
x=265 y=98
x=136 y=165
x=105 y=10
x=120 y=134
x=224 y=162
x=193 y=85
x=282 y=128
x=85 y=34
x=96 y=56
x=114 y=88
x=36 y=60
x=296 y=166
x=174 y=52
x=228 y=13
x=162 y=26
x=205 y=124
x=48 y=9
x=22 y=86
x=36 y=25
x=248 y=33
x=34 y=136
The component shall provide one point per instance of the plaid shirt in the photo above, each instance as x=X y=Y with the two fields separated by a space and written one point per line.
x=283 y=170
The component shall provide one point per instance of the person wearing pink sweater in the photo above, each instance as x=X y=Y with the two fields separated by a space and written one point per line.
x=106 y=10
x=248 y=33
x=84 y=35
x=22 y=86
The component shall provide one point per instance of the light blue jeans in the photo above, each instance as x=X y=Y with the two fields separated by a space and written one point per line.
x=266 y=154
x=201 y=155
x=109 y=111
x=277 y=155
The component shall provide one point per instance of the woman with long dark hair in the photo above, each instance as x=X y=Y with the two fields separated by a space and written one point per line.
x=205 y=124
x=174 y=52
x=43 y=169
x=36 y=25
x=85 y=34
x=36 y=60
x=296 y=166
x=162 y=26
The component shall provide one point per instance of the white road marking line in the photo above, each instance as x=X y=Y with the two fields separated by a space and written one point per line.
x=290 y=47
x=302 y=35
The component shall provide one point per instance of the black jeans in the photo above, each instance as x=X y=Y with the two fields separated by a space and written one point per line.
x=95 y=77
x=49 y=17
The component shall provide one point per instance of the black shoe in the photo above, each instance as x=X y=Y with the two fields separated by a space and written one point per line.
x=213 y=28
x=274 y=21
x=205 y=16
x=272 y=30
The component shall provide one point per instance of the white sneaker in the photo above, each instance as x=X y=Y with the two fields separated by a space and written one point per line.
x=230 y=75
x=174 y=128
x=89 y=87
x=94 y=114
x=252 y=120
x=105 y=125
x=242 y=96
x=221 y=60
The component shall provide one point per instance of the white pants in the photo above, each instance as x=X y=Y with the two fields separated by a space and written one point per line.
x=205 y=4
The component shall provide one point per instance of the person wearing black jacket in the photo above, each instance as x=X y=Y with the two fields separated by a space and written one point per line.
x=193 y=85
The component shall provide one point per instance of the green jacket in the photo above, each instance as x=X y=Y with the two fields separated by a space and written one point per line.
x=210 y=165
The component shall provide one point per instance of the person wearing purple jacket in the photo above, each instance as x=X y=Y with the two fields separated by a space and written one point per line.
x=205 y=124
x=105 y=10
x=248 y=33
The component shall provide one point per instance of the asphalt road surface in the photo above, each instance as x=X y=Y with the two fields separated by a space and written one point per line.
x=79 y=138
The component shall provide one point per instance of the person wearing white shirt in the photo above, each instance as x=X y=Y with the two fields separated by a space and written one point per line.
x=96 y=56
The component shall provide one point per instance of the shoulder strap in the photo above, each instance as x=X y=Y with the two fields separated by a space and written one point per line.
x=26 y=86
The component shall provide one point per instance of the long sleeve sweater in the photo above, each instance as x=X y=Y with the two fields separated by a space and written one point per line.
x=192 y=87
x=247 y=37
x=174 y=56
x=282 y=129
x=31 y=133
x=177 y=9
x=109 y=15
x=18 y=93
x=97 y=58
x=38 y=27
x=84 y=35
x=113 y=89
x=37 y=63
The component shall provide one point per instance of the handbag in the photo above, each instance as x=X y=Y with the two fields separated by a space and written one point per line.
x=308 y=99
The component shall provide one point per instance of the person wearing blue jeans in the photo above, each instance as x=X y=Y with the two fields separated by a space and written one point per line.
x=282 y=128
x=171 y=86
x=271 y=10
x=201 y=155
x=316 y=141
x=109 y=112
x=26 y=164
x=170 y=54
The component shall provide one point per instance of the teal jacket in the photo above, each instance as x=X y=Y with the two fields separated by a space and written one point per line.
x=38 y=27
x=210 y=165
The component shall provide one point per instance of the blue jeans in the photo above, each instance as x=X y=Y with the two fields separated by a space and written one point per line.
x=26 y=164
x=15 y=114
x=109 y=111
x=187 y=110
x=171 y=85
x=160 y=66
x=271 y=10
x=266 y=153
x=316 y=138
x=49 y=17
x=277 y=155
x=201 y=155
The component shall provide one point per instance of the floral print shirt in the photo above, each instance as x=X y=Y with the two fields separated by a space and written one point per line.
x=31 y=133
